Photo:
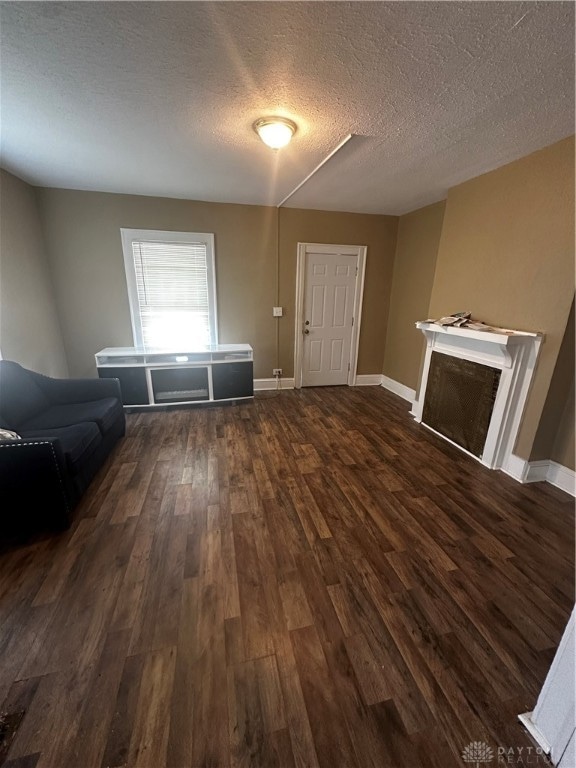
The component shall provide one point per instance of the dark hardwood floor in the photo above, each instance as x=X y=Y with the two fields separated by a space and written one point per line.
x=311 y=579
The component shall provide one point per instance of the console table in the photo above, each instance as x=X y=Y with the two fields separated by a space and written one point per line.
x=153 y=377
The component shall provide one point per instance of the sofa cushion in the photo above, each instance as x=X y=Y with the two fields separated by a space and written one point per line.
x=103 y=412
x=20 y=396
x=78 y=442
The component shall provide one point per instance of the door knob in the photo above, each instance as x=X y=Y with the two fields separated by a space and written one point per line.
x=307 y=322
x=306 y=331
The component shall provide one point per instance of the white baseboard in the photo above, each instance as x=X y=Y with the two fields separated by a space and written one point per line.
x=534 y=731
x=362 y=380
x=368 y=380
x=516 y=467
x=399 y=389
x=378 y=379
x=541 y=471
x=562 y=477
x=262 y=384
x=536 y=471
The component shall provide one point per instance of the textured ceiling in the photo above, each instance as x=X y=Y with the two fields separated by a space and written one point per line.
x=159 y=98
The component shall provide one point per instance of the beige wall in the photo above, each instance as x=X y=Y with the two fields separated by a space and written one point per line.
x=29 y=326
x=507 y=255
x=376 y=232
x=414 y=266
x=83 y=240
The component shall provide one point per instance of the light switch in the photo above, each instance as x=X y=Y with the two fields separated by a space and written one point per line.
x=277 y=312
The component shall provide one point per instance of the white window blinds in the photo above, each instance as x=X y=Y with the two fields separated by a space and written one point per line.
x=171 y=288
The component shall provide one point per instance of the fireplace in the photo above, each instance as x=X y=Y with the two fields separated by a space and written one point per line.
x=474 y=387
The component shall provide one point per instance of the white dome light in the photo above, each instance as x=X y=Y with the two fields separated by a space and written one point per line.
x=276 y=132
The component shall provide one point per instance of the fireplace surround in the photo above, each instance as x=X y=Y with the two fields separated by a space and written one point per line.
x=474 y=386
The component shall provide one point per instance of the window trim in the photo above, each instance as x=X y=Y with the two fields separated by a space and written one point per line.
x=156 y=235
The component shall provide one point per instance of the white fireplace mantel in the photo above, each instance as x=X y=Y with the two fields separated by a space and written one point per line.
x=513 y=352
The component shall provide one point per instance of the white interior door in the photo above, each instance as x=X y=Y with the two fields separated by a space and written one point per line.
x=328 y=316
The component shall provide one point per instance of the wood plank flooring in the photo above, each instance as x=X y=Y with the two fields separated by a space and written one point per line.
x=311 y=579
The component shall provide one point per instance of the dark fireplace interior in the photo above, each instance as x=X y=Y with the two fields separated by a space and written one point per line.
x=459 y=400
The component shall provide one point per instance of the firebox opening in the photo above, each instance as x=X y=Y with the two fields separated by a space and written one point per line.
x=460 y=397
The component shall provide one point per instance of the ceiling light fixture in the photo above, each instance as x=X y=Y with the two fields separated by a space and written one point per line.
x=276 y=132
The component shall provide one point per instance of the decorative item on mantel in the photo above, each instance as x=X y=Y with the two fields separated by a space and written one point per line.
x=464 y=320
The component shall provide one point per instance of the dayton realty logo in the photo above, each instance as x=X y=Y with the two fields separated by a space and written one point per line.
x=477 y=752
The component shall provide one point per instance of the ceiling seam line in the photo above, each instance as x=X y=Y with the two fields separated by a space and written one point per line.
x=323 y=162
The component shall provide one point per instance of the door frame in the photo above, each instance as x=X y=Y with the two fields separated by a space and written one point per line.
x=337 y=250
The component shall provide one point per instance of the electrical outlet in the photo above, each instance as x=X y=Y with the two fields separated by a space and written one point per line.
x=277 y=372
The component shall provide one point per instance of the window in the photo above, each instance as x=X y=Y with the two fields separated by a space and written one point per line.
x=171 y=287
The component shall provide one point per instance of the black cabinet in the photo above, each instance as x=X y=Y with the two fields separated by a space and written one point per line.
x=231 y=380
x=132 y=383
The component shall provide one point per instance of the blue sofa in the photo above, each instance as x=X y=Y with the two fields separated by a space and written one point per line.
x=66 y=429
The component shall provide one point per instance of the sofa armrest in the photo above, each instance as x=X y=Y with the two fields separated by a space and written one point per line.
x=33 y=484
x=62 y=391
